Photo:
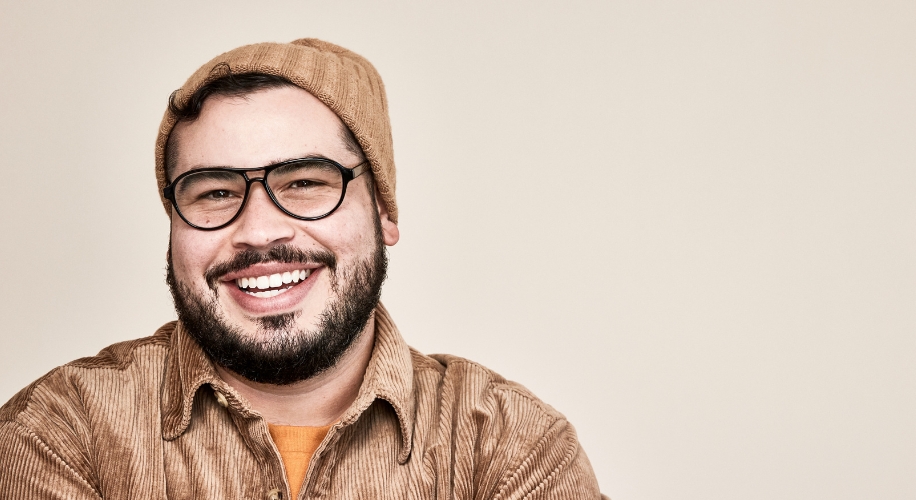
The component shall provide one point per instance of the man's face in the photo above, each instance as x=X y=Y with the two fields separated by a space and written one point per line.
x=308 y=323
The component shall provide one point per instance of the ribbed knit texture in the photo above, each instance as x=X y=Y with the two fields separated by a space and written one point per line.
x=343 y=80
x=296 y=445
x=142 y=420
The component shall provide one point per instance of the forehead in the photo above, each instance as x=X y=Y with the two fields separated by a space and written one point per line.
x=258 y=129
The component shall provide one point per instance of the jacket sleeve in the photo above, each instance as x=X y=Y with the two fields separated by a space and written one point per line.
x=29 y=468
x=555 y=468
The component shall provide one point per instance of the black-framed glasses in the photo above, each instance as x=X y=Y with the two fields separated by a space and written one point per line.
x=304 y=188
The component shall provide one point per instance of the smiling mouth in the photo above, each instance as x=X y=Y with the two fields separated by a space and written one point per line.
x=272 y=285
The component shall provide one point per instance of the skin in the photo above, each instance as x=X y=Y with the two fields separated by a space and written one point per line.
x=257 y=130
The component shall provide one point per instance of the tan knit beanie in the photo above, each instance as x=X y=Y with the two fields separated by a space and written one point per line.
x=342 y=80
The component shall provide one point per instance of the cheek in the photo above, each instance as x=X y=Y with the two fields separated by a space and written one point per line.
x=351 y=241
x=192 y=252
x=352 y=234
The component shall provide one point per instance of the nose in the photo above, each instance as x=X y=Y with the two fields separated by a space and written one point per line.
x=261 y=224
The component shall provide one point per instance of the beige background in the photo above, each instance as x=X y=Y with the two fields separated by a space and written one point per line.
x=689 y=226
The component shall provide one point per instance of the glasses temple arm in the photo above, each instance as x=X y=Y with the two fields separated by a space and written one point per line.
x=360 y=169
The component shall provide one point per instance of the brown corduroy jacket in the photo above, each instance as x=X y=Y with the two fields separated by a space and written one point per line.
x=150 y=418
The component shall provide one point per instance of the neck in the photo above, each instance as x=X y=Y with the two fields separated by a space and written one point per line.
x=318 y=401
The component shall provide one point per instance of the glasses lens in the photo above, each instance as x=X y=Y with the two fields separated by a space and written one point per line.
x=308 y=188
x=210 y=198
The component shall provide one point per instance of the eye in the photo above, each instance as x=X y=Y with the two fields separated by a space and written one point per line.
x=217 y=194
x=305 y=184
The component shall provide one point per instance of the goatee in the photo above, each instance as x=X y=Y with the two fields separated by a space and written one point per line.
x=286 y=354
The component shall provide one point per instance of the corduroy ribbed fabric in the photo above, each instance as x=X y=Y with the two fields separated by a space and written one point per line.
x=150 y=418
x=343 y=80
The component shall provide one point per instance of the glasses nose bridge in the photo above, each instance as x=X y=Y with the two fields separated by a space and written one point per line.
x=262 y=180
x=249 y=178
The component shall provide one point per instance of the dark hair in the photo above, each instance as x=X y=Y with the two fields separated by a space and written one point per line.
x=230 y=84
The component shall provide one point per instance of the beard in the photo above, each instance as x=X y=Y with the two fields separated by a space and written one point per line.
x=282 y=354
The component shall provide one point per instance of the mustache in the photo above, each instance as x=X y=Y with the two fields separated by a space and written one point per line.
x=286 y=254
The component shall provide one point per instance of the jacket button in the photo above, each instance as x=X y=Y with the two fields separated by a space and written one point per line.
x=274 y=494
x=221 y=399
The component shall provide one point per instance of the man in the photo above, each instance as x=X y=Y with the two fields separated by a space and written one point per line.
x=284 y=376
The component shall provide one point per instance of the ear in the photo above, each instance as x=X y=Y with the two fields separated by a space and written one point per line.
x=390 y=232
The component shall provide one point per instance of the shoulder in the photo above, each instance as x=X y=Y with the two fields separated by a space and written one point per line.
x=526 y=444
x=463 y=378
x=471 y=396
x=51 y=428
x=63 y=389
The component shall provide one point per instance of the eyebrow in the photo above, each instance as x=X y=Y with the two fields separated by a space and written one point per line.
x=190 y=181
x=271 y=162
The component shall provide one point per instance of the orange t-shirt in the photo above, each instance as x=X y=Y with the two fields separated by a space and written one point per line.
x=296 y=445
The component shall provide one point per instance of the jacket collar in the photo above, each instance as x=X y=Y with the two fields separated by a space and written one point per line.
x=388 y=377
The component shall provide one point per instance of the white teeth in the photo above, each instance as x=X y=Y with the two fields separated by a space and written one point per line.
x=272 y=281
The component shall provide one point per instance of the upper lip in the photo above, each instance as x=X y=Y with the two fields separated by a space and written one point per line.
x=268 y=268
